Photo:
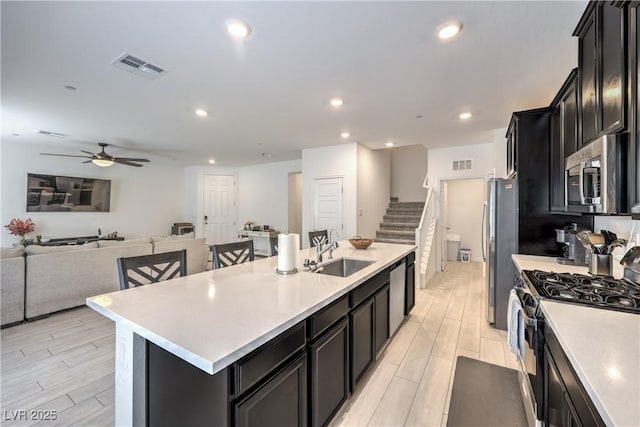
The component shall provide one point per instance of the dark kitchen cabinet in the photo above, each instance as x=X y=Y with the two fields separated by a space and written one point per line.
x=602 y=71
x=512 y=143
x=565 y=402
x=633 y=165
x=381 y=307
x=564 y=138
x=362 y=340
x=329 y=373
x=410 y=281
x=281 y=401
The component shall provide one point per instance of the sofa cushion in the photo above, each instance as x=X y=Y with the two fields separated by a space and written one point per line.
x=131 y=242
x=191 y=235
x=18 y=251
x=38 y=250
x=197 y=252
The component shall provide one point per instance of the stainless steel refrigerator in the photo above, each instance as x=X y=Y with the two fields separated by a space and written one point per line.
x=500 y=240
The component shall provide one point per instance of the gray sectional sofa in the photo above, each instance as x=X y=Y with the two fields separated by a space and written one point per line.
x=61 y=277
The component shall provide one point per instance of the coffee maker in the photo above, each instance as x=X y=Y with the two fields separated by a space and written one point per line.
x=573 y=252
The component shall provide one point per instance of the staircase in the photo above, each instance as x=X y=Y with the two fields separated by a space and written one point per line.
x=400 y=223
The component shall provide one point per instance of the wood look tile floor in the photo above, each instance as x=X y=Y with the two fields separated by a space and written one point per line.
x=65 y=363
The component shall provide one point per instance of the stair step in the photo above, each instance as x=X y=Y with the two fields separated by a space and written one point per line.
x=410 y=205
x=407 y=226
x=404 y=211
x=415 y=219
x=399 y=241
x=395 y=233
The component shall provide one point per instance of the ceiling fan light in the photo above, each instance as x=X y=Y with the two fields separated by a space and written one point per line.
x=102 y=162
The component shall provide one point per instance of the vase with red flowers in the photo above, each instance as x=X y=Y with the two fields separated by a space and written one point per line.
x=20 y=227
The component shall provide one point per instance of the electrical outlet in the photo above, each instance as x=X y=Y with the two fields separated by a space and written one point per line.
x=359 y=212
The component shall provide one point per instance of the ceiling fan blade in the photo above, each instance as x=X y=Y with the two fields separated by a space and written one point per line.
x=88 y=161
x=64 y=155
x=88 y=152
x=127 y=163
x=130 y=159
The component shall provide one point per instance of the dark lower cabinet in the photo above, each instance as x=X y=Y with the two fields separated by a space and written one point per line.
x=565 y=401
x=281 y=401
x=410 y=289
x=329 y=373
x=362 y=340
x=381 y=301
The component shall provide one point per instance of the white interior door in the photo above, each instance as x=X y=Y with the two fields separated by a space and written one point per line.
x=443 y=225
x=327 y=206
x=220 y=209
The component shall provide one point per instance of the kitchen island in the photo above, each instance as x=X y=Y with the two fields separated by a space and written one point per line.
x=212 y=327
x=602 y=348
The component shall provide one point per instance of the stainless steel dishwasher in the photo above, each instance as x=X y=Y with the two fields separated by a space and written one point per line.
x=396 y=297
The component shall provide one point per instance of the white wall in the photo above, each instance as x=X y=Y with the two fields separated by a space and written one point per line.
x=408 y=169
x=621 y=225
x=329 y=162
x=295 y=203
x=263 y=193
x=500 y=152
x=144 y=201
x=373 y=189
x=464 y=213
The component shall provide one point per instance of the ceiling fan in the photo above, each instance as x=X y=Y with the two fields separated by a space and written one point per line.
x=103 y=159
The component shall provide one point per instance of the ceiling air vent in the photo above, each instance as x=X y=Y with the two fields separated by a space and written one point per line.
x=462 y=165
x=48 y=133
x=138 y=66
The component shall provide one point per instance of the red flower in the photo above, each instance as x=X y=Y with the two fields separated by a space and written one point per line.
x=18 y=227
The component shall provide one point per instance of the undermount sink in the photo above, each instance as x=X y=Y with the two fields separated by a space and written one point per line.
x=343 y=267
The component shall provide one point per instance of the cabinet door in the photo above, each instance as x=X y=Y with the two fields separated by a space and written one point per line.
x=555 y=402
x=587 y=66
x=557 y=161
x=382 y=318
x=329 y=380
x=362 y=340
x=612 y=82
x=281 y=401
x=634 y=75
x=410 y=291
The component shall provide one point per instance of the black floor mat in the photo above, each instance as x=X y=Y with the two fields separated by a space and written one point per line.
x=485 y=395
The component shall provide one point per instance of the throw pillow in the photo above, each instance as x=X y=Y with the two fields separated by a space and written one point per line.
x=12 y=252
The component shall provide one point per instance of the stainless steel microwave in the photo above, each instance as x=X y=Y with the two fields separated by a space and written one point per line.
x=594 y=177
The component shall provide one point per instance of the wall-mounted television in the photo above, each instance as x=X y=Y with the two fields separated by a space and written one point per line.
x=54 y=193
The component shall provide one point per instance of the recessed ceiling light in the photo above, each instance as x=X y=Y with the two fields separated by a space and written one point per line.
x=238 y=29
x=345 y=134
x=449 y=30
x=49 y=133
x=465 y=115
x=211 y=161
x=15 y=134
x=389 y=144
x=201 y=112
x=336 y=102
x=69 y=87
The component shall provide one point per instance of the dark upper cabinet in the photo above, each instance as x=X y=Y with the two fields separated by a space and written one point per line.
x=634 y=108
x=601 y=61
x=512 y=143
x=564 y=137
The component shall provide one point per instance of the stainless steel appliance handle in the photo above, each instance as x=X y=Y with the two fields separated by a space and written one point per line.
x=482 y=230
x=581 y=183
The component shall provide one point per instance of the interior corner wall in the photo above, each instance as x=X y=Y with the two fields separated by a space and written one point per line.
x=408 y=169
x=263 y=193
x=330 y=162
x=373 y=189
x=144 y=201
x=500 y=152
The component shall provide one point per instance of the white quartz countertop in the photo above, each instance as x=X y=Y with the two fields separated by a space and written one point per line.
x=603 y=347
x=212 y=319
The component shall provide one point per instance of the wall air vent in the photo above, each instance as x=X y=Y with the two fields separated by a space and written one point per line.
x=48 y=133
x=138 y=66
x=462 y=165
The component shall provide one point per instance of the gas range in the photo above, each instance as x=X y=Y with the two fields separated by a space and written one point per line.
x=595 y=291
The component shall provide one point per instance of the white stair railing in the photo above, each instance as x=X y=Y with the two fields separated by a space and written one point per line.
x=425 y=238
